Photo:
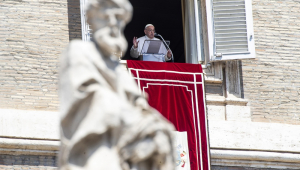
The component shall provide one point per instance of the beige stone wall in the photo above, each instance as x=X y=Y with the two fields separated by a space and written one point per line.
x=272 y=80
x=33 y=33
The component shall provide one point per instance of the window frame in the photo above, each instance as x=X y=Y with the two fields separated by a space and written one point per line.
x=211 y=40
x=85 y=29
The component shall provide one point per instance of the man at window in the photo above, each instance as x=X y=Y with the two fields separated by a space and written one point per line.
x=138 y=43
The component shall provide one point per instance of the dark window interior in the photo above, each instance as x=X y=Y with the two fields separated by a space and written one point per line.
x=166 y=16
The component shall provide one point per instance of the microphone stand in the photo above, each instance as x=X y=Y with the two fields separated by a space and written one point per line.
x=165 y=45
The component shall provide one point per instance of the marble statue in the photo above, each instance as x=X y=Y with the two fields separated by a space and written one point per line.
x=105 y=122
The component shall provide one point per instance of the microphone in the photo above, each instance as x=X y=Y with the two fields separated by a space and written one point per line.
x=155 y=34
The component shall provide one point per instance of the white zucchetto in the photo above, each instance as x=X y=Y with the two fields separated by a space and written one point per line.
x=148 y=25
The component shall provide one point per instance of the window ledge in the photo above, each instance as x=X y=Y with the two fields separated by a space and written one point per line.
x=226 y=101
x=255 y=159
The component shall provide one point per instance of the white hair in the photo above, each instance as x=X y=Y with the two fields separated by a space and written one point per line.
x=148 y=25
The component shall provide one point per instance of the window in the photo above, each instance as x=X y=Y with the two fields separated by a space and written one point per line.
x=228 y=32
x=230 y=29
x=85 y=29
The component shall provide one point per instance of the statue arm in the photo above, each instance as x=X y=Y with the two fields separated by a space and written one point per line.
x=81 y=85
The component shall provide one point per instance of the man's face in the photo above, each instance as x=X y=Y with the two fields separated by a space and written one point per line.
x=150 y=31
x=107 y=21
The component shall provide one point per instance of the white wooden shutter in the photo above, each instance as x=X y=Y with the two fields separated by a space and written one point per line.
x=230 y=29
x=85 y=28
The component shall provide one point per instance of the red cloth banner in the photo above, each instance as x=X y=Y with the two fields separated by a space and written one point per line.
x=176 y=90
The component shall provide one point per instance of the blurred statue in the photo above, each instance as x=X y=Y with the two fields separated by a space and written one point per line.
x=105 y=122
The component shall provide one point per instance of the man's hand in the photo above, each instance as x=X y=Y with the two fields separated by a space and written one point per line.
x=169 y=54
x=135 y=42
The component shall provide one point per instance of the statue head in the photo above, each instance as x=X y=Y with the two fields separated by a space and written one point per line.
x=107 y=19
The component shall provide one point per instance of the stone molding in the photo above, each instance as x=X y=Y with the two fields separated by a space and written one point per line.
x=13 y=146
x=221 y=100
x=255 y=159
x=29 y=124
x=233 y=143
x=255 y=136
x=28 y=132
x=243 y=158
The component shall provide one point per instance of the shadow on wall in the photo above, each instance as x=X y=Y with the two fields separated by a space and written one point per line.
x=28 y=160
x=74 y=19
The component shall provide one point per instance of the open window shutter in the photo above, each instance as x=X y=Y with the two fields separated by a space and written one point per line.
x=85 y=29
x=231 y=32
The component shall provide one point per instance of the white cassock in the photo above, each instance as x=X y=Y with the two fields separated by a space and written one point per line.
x=136 y=52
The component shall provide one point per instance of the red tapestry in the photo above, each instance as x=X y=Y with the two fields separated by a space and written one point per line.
x=176 y=90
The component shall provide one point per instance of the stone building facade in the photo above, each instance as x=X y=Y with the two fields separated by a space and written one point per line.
x=253 y=105
x=271 y=81
x=33 y=33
